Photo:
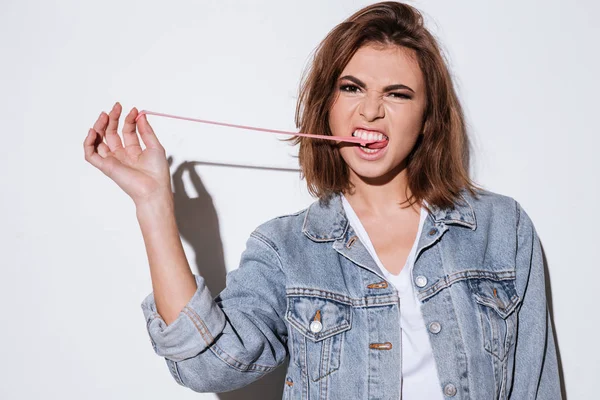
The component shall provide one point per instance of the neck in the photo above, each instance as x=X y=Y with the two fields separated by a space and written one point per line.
x=380 y=196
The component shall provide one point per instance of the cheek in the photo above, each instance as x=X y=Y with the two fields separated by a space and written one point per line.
x=340 y=115
x=335 y=120
x=406 y=120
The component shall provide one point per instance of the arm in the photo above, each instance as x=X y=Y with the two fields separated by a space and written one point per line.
x=173 y=283
x=243 y=330
x=536 y=368
x=229 y=342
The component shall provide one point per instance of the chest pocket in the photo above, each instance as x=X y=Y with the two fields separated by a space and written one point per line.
x=317 y=337
x=497 y=305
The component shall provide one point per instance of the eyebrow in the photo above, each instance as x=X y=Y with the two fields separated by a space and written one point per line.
x=385 y=89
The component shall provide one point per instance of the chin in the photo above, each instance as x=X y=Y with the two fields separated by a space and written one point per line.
x=373 y=172
x=383 y=169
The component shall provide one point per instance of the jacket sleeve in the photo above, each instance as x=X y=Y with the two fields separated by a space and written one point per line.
x=222 y=344
x=536 y=366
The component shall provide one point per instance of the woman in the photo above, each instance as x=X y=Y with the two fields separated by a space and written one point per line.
x=403 y=279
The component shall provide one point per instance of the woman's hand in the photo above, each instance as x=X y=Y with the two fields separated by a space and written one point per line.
x=142 y=174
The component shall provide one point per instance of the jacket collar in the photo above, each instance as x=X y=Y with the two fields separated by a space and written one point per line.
x=326 y=220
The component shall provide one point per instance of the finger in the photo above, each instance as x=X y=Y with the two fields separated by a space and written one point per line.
x=100 y=128
x=113 y=118
x=100 y=125
x=103 y=149
x=89 y=150
x=147 y=134
x=108 y=165
x=99 y=144
x=112 y=136
x=130 y=136
x=129 y=130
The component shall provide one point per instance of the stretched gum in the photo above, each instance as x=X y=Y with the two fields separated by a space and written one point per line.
x=349 y=139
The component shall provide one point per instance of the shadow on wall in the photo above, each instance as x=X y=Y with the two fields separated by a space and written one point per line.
x=199 y=227
x=563 y=389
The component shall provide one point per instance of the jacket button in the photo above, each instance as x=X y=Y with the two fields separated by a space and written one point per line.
x=316 y=326
x=433 y=231
x=421 y=281
x=435 y=327
x=380 y=346
x=351 y=242
x=378 y=285
x=449 y=390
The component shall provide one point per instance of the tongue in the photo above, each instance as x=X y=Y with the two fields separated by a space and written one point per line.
x=377 y=145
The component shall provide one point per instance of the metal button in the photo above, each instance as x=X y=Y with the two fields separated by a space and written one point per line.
x=316 y=326
x=450 y=390
x=433 y=231
x=435 y=327
x=421 y=281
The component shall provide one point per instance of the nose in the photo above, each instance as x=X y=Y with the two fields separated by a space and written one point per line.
x=371 y=107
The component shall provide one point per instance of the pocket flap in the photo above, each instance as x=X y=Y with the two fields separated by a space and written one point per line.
x=500 y=295
x=334 y=316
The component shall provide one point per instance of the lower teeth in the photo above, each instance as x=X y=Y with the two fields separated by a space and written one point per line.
x=368 y=150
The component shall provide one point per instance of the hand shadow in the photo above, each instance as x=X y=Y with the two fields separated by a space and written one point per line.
x=198 y=225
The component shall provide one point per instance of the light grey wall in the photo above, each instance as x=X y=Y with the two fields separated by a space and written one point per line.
x=74 y=269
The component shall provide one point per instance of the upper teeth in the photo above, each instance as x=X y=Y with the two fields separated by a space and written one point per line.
x=366 y=135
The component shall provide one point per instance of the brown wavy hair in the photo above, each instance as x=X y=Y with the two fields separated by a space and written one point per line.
x=438 y=165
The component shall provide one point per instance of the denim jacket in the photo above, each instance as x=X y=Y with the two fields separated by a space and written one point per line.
x=308 y=289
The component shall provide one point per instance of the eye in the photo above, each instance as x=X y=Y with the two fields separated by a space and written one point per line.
x=349 y=88
x=397 y=95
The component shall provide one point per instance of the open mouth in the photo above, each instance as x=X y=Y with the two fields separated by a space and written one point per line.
x=378 y=139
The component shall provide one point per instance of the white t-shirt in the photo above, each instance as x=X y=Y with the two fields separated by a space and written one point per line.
x=419 y=380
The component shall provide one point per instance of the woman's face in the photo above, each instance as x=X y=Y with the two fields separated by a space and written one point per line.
x=380 y=91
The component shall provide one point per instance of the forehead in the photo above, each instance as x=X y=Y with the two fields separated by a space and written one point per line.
x=379 y=66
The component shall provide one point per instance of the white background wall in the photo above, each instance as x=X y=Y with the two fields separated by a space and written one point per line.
x=74 y=269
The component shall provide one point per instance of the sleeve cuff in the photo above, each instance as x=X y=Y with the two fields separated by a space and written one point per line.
x=195 y=328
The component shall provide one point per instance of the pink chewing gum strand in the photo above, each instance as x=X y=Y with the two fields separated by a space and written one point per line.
x=350 y=139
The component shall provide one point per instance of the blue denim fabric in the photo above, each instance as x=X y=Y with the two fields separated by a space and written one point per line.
x=478 y=273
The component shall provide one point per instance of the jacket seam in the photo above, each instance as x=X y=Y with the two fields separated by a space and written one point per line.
x=173 y=367
x=191 y=313
x=518 y=212
x=326 y=238
x=219 y=352
x=463 y=356
x=449 y=280
x=259 y=236
x=355 y=302
x=243 y=367
x=212 y=344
